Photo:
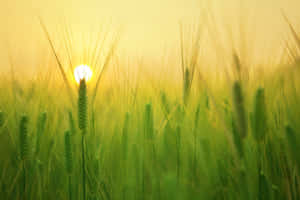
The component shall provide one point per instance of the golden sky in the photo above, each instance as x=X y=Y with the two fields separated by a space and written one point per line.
x=149 y=27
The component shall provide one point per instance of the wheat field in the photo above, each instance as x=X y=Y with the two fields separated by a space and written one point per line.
x=184 y=129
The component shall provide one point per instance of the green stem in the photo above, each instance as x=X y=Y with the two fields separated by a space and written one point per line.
x=70 y=187
x=24 y=181
x=83 y=167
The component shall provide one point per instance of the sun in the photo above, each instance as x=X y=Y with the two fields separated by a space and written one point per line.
x=83 y=72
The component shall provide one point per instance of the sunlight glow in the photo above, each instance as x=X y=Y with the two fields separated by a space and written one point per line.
x=83 y=72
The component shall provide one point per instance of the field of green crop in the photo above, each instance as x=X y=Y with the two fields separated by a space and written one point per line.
x=223 y=134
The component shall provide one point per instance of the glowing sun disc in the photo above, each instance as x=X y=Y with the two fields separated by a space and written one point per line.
x=83 y=72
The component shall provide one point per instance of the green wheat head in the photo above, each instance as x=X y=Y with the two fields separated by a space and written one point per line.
x=23 y=138
x=82 y=124
x=259 y=116
x=82 y=106
x=239 y=110
x=41 y=124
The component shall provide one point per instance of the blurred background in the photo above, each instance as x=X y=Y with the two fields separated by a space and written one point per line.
x=147 y=29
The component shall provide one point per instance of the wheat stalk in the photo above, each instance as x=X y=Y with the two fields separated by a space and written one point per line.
x=82 y=123
x=69 y=160
x=24 y=149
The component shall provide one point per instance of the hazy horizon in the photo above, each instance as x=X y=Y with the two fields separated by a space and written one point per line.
x=148 y=29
